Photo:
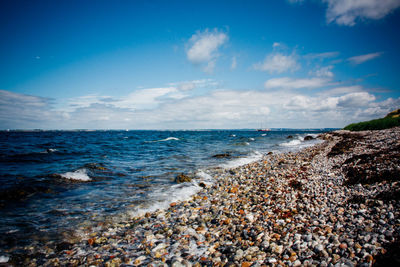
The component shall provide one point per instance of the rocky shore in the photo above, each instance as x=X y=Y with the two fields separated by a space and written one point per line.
x=333 y=204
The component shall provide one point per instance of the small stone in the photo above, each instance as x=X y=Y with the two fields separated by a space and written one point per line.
x=246 y=264
x=318 y=248
x=272 y=260
x=157 y=255
x=139 y=260
x=336 y=258
x=297 y=263
x=177 y=264
x=343 y=246
x=369 y=258
x=239 y=254
x=278 y=249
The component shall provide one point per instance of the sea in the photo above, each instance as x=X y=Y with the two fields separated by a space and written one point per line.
x=55 y=182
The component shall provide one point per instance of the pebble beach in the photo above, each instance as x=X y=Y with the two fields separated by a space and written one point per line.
x=333 y=204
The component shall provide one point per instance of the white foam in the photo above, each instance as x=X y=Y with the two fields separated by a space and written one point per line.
x=292 y=143
x=49 y=150
x=251 y=139
x=79 y=175
x=203 y=175
x=263 y=134
x=161 y=198
x=255 y=156
x=164 y=140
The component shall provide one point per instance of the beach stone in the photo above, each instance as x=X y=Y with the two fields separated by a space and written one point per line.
x=319 y=248
x=177 y=264
x=223 y=155
x=239 y=254
x=182 y=178
x=296 y=263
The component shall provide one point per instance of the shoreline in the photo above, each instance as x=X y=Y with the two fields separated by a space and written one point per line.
x=295 y=208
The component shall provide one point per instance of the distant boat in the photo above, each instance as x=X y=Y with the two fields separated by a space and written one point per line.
x=263 y=130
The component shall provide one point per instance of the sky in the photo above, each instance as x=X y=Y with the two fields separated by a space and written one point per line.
x=197 y=64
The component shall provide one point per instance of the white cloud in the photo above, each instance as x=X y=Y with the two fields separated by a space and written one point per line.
x=187 y=86
x=348 y=102
x=191 y=85
x=347 y=12
x=290 y=83
x=276 y=44
x=322 y=56
x=343 y=90
x=203 y=47
x=234 y=63
x=363 y=58
x=358 y=99
x=277 y=63
x=323 y=72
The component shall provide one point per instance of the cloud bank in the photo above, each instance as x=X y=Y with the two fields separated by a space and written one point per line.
x=160 y=108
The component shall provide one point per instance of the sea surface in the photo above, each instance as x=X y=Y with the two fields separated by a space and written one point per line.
x=54 y=182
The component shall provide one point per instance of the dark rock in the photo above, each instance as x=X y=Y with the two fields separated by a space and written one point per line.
x=202 y=185
x=308 y=138
x=223 y=155
x=95 y=166
x=182 y=178
x=295 y=184
x=270 y=153
x=289 y=137
x=63 y=246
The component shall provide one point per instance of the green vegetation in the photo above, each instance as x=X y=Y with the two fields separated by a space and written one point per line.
x=391 y=120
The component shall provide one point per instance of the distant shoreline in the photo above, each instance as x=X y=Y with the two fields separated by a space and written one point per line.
x=171 y=130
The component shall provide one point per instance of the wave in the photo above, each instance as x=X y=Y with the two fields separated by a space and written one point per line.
x=49 y=150
x=292 y=143
x=78 y=175
x=169 y=139
x=253 y=157
x=165 y=140
x=300 y=142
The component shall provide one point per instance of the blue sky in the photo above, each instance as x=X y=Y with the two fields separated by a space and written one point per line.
x=197 y=64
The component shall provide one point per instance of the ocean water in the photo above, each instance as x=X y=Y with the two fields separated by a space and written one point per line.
x=54 y=182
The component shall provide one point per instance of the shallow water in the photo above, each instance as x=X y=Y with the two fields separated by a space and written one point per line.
x=55 y=181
